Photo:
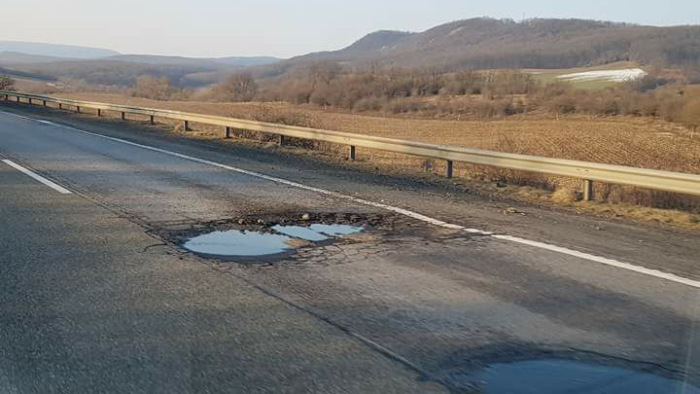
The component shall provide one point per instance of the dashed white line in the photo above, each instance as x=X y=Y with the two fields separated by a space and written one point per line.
x=405 y=212
x=37 y=177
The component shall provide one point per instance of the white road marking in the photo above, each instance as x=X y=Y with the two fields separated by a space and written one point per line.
x=405 y=212
x=601 y=260
x=37 y=177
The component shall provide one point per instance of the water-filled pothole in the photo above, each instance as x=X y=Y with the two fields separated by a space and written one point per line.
x=268 y=244
x=238 y=243
x=563 y=376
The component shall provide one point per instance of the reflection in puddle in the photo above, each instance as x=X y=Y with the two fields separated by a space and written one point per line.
x=560 y=376
x=235 y=243
x=335 y=230
x=238 y=243
x=301 y=233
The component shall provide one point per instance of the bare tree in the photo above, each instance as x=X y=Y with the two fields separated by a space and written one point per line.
x=237 y=87
x=6 y=82
x=154 y=88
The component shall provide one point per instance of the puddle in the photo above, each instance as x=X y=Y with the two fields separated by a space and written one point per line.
x=234 y=243
x=335 y=230
x=301 y=233
x=561 y=376
x=318 y=232
x=247 y=245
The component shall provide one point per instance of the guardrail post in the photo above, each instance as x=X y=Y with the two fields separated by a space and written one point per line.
x=123 y=115
x=153 y=119
x=30 y=101
x=99 y=112
x=351 y=153
x=77 y=109
x=44 y=102
x=60 y=106
x=228 y=132
x=281 y=140
x=588 y=190
x=448 y=170
x=18 y=99
x=187 y=125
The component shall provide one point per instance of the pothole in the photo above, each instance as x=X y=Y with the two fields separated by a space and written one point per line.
x=565 y=376
x=264 y=241
x=318 y=232
x=236 y=243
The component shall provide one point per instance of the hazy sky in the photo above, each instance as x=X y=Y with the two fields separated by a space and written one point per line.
x=285 y=28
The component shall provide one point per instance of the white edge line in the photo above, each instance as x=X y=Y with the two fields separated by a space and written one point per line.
x=401 y=211
x=37 y=177
x=602 y=260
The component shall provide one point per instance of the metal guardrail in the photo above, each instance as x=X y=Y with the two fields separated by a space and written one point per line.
x=588 y=172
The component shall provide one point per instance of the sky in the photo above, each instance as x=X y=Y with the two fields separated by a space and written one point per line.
x=212 y=28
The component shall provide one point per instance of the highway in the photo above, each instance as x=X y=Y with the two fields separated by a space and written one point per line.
x=97 y=295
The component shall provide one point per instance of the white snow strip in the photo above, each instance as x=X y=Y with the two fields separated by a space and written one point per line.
x=628 y=74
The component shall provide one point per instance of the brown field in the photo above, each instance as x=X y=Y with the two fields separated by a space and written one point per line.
x=637 y=142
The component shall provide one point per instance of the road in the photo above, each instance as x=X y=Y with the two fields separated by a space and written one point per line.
x=98 y=297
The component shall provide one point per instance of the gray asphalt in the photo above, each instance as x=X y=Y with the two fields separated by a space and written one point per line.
x=96 y=296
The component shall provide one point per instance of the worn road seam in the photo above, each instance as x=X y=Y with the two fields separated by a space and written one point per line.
x=436 y=222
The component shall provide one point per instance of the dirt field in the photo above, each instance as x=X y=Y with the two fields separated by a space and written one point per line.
x=637 y=142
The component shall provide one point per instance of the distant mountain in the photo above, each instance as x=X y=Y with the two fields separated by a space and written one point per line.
x=485 y=43
x=55 y=50
x=12 y=58
x=235 y=61
x=248 y=61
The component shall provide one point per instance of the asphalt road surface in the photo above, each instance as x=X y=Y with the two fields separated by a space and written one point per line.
x=97 y=296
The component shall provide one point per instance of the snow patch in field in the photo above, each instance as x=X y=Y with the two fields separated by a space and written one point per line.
x=628 y=74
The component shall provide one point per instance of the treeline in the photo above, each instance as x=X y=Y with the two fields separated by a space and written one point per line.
x=467 y=94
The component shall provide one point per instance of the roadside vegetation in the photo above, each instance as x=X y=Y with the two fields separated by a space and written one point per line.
x=6 y=82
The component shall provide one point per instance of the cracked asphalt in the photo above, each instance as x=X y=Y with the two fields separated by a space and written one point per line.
x=98 y=297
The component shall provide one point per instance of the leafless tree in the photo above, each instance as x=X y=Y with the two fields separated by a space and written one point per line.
x=6 y=82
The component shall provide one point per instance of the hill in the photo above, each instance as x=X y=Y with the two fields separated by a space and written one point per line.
x=11 y=58
x=55 y=50
x=485 y=43
x=234 y=61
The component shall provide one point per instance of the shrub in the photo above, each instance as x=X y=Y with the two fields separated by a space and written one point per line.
x=237 y=87
x=6 y=82
x=153 y=88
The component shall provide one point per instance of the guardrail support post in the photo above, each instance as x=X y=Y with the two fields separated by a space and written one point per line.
x=18 y=99
x=351 y=153
x=77 y=109
x=448 y=170
x=187 y=125
x=99 y=113
x=153 y=119
x=29 y=101
x=281 y=140
x=228 y=132
x=588 y=190
x=123 y=115
x=44 y=102
x=60 y=106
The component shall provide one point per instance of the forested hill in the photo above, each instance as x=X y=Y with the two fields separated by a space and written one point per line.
x=485 y=43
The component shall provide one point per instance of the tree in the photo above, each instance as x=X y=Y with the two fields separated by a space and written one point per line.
x=237 y=87
x=691 y=114
x=6 y=82
x=153 y=88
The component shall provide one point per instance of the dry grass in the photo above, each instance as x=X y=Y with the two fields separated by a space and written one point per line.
x=636 y=142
